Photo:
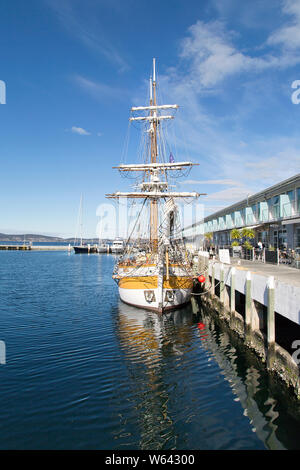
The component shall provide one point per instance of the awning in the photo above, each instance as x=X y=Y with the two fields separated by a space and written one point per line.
x=291 y=221
x=254 y=226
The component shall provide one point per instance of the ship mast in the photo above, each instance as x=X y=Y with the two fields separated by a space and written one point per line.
x=154 y=188
x=153 y=134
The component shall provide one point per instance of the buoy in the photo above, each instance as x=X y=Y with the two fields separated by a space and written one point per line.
x=201 y=279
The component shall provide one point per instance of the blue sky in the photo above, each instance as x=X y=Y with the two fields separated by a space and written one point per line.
x=73 y=69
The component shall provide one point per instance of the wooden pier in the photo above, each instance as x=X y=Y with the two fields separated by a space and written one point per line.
x=36 y=247
x=251 y=302
x=15 y=247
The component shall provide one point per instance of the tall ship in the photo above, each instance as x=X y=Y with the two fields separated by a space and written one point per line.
x=154 y=270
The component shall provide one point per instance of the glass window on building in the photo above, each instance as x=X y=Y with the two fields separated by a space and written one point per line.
x=298 y=200
x=243 y=215
x=263 y=211
x=280 y=239
x=228 y=221
x=275 y=209
x=288 y=203
x=291 y=195
x=222 y=222
x=238 y=219
x=298 y=237
x=249 y=216
x=232 y=218
x=275 y=239
x=263 y=237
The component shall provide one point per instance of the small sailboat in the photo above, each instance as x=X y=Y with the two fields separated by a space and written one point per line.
x=154 y=271
x=82 y=248
x=86 y=249
x=102 y=246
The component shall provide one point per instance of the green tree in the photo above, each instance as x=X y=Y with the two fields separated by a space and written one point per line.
x=248 y=233
x=235 y=234
x=209 y=236
x=247 y=245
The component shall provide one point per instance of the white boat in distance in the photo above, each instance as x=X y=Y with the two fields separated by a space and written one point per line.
x=117 y=246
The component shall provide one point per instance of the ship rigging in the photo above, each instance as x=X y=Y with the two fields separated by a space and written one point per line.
x=154 y=271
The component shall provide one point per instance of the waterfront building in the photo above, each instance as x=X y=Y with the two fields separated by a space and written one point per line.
x=273 y=214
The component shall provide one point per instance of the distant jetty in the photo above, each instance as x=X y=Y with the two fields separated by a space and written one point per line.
x=4 y=247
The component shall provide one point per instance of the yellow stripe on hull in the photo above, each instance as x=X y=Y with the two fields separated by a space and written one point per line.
x=139 y=282
x=151 y=282
x=178 y=282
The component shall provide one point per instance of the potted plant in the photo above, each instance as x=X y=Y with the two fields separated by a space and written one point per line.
x=235 y=235
x=208 y=237
x=247 y=235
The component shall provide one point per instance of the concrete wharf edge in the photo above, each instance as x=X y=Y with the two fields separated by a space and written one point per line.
x=258 y=290
x=34 y=247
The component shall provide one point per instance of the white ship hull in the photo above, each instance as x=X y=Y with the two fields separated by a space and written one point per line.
x=170 y=298
x=150 y=289
x=116 y=250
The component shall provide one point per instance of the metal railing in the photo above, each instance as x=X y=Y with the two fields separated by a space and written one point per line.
x=275 y=256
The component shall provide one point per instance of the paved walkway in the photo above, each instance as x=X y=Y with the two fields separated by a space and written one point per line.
x=281 y=272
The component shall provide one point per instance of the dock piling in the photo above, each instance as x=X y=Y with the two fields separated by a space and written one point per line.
x=213 y=280
x=271 y=322
x=255 y=294
x=232 y=291
x=248 y=305
x=222 y=284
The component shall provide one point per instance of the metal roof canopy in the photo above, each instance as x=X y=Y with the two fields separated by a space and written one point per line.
x=291 y=221
x=254 y=226
x=274 y=190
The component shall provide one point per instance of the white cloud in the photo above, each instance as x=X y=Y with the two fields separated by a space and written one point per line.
x=99 y=90
x=277 y=167
x=79 y=130
x=220 y=199
x=212 y=56
x=217 y=182
x=229 y=195
x=289 y=34
x=86 y=27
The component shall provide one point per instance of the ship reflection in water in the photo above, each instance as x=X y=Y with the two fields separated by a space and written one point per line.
x=192 y=387
x=86 y=372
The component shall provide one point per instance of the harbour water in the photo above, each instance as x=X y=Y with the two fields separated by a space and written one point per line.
x=35 y=243
x=84 y=371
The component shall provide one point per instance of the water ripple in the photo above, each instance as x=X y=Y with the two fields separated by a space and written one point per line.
x=85 y=371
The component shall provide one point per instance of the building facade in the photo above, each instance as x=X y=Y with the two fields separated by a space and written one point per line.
x=273 y=214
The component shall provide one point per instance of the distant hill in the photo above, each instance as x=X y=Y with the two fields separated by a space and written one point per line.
x=31 y=237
